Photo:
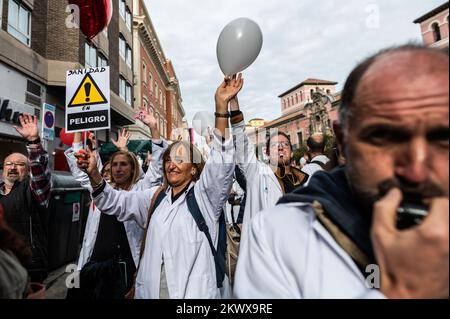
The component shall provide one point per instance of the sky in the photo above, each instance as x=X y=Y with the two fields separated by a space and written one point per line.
x=302 y=39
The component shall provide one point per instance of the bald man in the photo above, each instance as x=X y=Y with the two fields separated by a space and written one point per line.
x=24 y=194
x=316 y=149
x=343 y=235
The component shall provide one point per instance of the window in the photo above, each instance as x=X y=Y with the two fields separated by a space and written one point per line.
x=33 y=94
x=161 y=125
x=125 y=90
x=144 y=72
x=301 y=96
x=151 y=81
x=300 y=138
x=145 y=103
x=328 y=91
x=165 y=129
x=122 y=87
x=19 y=22
x=122 y=8
x=101 y=60
x=436 y=32
x=90 y=56
x=160 y=98
x=122 y=46
x=128 y=19
x=93 y=58
x=128 y=55
x=296 y=98
x=156 y=90
x=128 y=94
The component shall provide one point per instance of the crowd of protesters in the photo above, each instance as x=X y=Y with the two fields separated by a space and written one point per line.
x=237 y=226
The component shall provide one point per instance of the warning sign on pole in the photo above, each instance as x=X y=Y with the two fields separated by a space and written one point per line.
x=88 y=100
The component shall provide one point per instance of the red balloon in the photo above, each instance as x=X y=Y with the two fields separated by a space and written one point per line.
x=95 y=15
x=67 y=138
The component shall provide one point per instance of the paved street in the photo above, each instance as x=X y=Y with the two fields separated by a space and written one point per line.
x=56 y=284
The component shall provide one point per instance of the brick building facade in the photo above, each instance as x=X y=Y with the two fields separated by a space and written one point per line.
x=156 y=86
x=38 y=44
x=298 y=96
x=434 y=27
x=307 y=108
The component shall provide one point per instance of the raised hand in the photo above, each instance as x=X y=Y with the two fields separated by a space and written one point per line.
x=146 y=117
x=28 y=127
x=86 y=160
x=229 y=88
x=122 y=140
x=149 y=119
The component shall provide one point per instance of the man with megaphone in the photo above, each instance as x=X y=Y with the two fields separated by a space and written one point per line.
x=266 y=183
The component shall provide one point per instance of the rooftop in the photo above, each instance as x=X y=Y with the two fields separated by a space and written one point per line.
x=432 y=13
x=308 y=81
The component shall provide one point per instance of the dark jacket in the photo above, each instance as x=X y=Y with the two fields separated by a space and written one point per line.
x=29 y=219
x=332 y=191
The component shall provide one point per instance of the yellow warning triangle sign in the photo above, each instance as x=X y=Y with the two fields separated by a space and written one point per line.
x=88 y=93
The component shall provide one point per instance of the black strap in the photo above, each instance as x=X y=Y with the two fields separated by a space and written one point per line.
x=318 y=163
x=159 y=198
x=219 y=258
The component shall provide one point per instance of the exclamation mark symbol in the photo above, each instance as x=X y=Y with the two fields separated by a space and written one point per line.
x=87 y=88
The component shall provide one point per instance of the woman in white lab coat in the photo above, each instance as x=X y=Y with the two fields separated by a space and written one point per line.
x=131 y=178
x=177 y=261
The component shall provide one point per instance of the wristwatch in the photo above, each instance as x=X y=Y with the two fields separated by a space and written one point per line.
x=223 y=115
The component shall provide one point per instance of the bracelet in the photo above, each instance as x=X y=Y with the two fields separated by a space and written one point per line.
x=235 y=113
x=222 y=115
x=98 y=185
x=36 y=141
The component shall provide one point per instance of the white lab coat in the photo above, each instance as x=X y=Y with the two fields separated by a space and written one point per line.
x=173 y=236
x=291 y=255
x=134 y=232
x=312 y=168
x=263 y=188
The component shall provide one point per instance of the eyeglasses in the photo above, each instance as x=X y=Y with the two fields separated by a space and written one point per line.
x=9 y=164
x=278 y=144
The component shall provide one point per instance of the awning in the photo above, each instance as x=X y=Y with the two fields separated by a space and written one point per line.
x=138 y=147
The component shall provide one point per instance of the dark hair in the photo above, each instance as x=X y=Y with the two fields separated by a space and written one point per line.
x=351 y=84
x=195 y=157
x=316 y=146
x=13 y=242
x=277 y=134
x=104 y=167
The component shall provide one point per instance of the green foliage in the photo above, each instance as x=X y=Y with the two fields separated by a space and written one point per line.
x=329 y=142
x=298 y=153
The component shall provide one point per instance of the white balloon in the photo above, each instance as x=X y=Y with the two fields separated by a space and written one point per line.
x=238 y=45
x=202 y=121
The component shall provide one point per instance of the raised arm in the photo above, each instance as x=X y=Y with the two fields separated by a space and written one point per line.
x=211 y=191
x=122 y=140
x=245 y=152
x=79 y=175
x=124 y=205
x=40 y=176
x=154 y=175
